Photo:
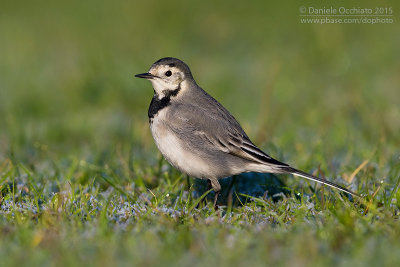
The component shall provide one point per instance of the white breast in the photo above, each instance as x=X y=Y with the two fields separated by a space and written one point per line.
x=173 y=150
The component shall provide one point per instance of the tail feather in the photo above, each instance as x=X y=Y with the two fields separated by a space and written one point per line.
x=319 y=180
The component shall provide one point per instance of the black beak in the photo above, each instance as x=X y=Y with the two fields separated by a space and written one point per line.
x=146 y=76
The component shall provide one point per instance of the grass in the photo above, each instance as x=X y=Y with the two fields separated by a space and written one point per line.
x=81 y=182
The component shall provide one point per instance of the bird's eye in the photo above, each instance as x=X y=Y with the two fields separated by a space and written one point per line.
x=168 y=73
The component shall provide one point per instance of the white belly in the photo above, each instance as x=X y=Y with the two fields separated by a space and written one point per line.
x=175 y=153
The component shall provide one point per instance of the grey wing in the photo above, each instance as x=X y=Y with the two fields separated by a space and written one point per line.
x=215 y=127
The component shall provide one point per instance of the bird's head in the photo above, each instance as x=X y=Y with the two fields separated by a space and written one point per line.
x=168 y=74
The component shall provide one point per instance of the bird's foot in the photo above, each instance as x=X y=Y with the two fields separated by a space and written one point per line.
x=215 y=200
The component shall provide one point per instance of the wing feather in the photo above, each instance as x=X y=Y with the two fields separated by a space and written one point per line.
x=218 y=127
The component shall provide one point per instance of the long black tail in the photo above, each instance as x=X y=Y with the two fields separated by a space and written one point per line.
x=316 y=179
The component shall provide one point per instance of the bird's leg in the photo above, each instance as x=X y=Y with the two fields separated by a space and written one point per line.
x=217 y=189
x=215 y=200
x=209 y=185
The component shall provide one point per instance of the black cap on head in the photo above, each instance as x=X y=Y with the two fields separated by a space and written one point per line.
x=174 y=62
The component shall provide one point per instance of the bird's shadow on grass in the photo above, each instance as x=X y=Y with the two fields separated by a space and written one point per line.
x=236 y=188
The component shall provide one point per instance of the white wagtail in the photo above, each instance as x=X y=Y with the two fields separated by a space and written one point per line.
x=198 y=136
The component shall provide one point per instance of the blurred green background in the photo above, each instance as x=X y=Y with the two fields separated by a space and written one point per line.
x=71 y=110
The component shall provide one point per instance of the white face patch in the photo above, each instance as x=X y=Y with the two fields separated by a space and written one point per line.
x=164 y=82
x=158 y=86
